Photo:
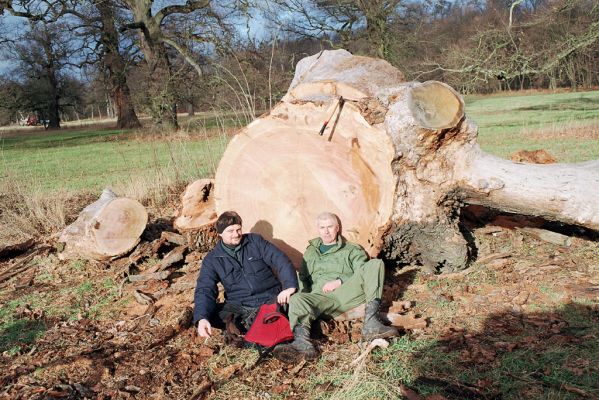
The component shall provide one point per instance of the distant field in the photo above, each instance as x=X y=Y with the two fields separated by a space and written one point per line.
x=565 y=124
x=96 y=159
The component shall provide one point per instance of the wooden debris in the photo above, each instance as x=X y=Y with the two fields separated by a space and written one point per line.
x=202 y=389
x=142 y=298
x=540 y=156
x=548 y=236
x=173 y=238
x=16 y=249
x=407 y=322
x=228 y=371
x=179 y=287
x=146 y=277
x=399 y=307
x=382 y=343
x=174 y=256
x=298 y=367
x=492 y=257
x=21 y=265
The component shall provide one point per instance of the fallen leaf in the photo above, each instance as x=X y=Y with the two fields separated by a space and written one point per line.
x=228 y=371
x=408 y=393
x=280 y=389
x=408 y=321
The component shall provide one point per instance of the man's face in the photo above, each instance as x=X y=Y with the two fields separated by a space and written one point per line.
x=231 y=235
x=328 y=230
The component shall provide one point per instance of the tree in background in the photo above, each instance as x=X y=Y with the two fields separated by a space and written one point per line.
x=43 y=55
x=101 y=43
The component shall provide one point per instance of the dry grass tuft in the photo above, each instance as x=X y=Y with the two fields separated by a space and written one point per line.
x=585 y=131
x=31 y=213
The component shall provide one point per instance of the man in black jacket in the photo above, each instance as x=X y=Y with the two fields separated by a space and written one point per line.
x=252 y=271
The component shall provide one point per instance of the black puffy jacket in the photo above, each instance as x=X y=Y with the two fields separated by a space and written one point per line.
x=263 y=273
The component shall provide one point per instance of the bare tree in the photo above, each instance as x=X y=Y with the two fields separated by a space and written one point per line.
x=156 y=38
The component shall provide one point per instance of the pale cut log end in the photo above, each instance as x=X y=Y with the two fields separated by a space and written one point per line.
x=107 y=228
x=197 y=206
x=118 y=227
x=436 y=105
x=196 y=217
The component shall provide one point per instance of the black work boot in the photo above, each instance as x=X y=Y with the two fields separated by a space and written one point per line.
x=301 y=347
x=373 y=328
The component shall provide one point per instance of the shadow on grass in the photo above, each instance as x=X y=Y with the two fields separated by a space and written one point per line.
x=545 y=355
x=20 y=334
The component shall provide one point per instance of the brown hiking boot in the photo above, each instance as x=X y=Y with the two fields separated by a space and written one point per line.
x=373 y=328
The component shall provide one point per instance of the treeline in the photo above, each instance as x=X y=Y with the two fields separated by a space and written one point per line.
x=81 y=58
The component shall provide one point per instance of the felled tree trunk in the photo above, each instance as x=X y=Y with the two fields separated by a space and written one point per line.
x=109 y=227
x=396 y=162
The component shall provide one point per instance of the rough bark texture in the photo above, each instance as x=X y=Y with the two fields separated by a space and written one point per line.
x=116 y=68
x=107 y=228
x=396 y=163
x=160 y=77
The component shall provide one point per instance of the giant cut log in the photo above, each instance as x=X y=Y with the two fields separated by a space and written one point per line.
x=107 y=228
x=397 y=161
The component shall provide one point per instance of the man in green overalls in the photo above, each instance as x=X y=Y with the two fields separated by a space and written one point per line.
x=335 y=276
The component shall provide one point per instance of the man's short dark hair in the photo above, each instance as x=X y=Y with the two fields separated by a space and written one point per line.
x=227 y=218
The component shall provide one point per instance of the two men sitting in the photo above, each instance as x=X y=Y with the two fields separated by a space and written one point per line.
x=335 y=276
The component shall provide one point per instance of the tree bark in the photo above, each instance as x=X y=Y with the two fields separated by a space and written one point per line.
x=115 y=66
x=396 y=163
x=107 y=228
x=161 y=88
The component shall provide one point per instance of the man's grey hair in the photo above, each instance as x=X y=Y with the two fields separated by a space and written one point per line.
x=328 y=216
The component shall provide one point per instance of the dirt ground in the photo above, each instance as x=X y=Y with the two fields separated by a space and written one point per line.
x=100 y=336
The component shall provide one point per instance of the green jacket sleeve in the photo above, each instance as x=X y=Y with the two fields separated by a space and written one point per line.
x=305 y=281
x=357 y=257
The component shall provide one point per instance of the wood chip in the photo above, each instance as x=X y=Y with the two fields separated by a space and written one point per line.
x=142 y=298
x=407 y=322
x=548 y=236
x=173 y=238
x=146 y=277
x=172 y=257
x=228 y=371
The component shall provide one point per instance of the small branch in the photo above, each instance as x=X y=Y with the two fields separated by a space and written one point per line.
x=185 y=53
x=359 y=362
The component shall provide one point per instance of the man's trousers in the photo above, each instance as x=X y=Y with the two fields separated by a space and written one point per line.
x=365 y=284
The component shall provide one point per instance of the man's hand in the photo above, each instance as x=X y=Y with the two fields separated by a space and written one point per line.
x=331 y=286
x=283 y=297
x=204 y=328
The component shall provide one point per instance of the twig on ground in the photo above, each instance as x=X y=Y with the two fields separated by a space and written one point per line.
x=20 y=266
x=359 y=362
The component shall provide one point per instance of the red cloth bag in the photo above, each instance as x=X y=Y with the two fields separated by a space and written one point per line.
x=269 y=328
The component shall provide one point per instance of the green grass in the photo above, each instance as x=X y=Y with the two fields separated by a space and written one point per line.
x=93 y=160
x=509 y=123
x=87 y=299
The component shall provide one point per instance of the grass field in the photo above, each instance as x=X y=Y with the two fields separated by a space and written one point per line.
x=96 y=158
x=565 y=124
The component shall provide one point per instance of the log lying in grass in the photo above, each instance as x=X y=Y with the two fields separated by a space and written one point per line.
x=107 y=228
x=397 y=162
